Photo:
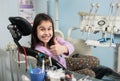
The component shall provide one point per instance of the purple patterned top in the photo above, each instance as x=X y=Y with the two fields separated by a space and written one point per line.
x=60 y=58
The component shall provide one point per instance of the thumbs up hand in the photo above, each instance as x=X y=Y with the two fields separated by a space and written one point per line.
x=55 y=40
x=57 y=48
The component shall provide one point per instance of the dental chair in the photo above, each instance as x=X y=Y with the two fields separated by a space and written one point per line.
x=21 y=27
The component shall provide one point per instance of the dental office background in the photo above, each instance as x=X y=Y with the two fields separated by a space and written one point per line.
x=68 y=17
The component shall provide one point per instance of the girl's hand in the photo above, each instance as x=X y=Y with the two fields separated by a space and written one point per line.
x=58 y=49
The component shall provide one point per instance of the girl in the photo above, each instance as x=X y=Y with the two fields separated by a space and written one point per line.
x=44 y=40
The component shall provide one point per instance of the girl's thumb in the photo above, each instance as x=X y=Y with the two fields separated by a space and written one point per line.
x=55 y=40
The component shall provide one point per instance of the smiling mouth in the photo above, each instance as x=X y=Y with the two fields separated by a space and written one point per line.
x=46 y=37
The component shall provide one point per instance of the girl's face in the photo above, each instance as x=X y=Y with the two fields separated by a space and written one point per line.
x=45 y=31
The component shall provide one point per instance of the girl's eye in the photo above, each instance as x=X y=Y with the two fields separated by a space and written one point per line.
x=49 y=28
x=42 y=29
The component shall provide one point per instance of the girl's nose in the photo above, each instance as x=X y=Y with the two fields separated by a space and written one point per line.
x=46 y=32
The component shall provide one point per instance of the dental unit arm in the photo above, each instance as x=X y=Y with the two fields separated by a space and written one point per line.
x=21 y=27
x=106 y=24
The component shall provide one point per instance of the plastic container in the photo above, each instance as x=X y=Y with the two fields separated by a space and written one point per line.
x=37 y=75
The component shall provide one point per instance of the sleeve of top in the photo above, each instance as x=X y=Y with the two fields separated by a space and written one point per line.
x=67 y=44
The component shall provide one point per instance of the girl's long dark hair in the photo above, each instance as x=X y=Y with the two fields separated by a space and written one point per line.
x=37 y=21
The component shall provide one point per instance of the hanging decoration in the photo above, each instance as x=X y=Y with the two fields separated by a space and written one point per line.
x=27 y=10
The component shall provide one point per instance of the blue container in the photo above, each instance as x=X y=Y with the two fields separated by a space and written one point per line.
x=37 y=75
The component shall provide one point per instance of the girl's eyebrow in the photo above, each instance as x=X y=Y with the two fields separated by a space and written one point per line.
x=50 y=26
x=44 y=27
x=41 y=26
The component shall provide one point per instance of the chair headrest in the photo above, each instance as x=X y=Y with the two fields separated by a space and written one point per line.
x=22 y=24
